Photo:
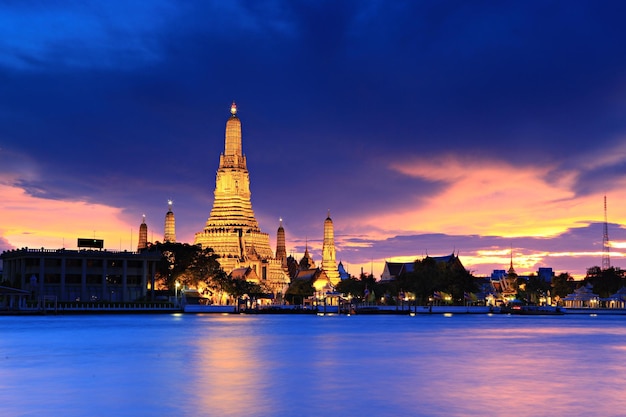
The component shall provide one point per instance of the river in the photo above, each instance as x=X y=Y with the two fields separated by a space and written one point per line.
x=307 y=365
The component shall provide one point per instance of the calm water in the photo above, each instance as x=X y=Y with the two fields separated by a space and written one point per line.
x=194 y=365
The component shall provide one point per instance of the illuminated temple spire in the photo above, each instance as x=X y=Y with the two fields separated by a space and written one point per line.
x=143 y=235
x=231 y=230
x=511 y=269
x=329 y=265
x=281 y=249
x=307 y=260
x=232 y=209
x=170 y=224
x=232 y=146
x=510 y=280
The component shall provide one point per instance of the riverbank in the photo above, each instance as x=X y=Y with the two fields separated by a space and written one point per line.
x=167 y=308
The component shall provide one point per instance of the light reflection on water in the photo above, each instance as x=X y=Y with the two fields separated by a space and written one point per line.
x=190 y=365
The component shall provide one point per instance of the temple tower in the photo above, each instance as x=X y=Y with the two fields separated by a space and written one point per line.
x=232 y=230
x=281 y=249
x=170 y=224
x=329 y=265
x=307 y=260
x=232 y=227
x=510 y=280
x=143 y=235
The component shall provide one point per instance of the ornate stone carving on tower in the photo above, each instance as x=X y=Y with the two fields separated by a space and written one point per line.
x=329 y=265
x=170 y=224
x=143 y=235
x=281 y=248
x=232 y=230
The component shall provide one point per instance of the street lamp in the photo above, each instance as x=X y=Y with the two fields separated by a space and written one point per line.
x=176 y=291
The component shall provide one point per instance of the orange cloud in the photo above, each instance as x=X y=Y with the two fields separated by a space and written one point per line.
x=487 y=197
x=37 y=222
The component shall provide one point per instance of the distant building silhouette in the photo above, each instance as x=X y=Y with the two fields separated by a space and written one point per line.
x=393 y=270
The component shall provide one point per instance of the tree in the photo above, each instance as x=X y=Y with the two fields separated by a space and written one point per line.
x=299 y=290
x=536 y=288
x=370 y=288
x=351 y=286
x=422 y=283
x=187 y=264
x=429 y=276
x=562 y=285
x=220 y=283
x=239 y=287
x=359 y=287
x=204 y=267
x=605 y=281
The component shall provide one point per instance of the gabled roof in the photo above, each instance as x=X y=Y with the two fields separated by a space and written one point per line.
x=397 y=268
x=583 y=293
x=318 y=278
x=619 y=295
x=307 y=273
x=246 y=273
x=394 y=269
x=446 y=258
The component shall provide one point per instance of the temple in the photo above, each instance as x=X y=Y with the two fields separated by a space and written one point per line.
x=281 y=248
x=329 y=264
x=169 y=234
x=143 y=235
x=232 y=230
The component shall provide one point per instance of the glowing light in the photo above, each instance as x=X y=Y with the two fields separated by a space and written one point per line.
x=233 y=109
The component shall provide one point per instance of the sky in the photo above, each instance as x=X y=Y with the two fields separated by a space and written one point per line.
x=489 y=129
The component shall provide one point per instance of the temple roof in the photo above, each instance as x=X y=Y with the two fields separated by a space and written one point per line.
x=395 y=269
x=246 y=273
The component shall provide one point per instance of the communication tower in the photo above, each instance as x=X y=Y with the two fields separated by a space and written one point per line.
x=606 y=258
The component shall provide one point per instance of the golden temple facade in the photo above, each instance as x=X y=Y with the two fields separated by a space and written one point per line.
x=232 y=230
x=329 y=264
x=169 y=234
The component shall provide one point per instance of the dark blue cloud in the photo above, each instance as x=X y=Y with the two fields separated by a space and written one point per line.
x=125 y=103
x=65 y=36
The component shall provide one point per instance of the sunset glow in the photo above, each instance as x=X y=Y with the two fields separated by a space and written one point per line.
x=424 y=129
x=36 y=222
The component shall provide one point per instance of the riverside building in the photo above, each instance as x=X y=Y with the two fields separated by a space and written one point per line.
x=89 y=274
